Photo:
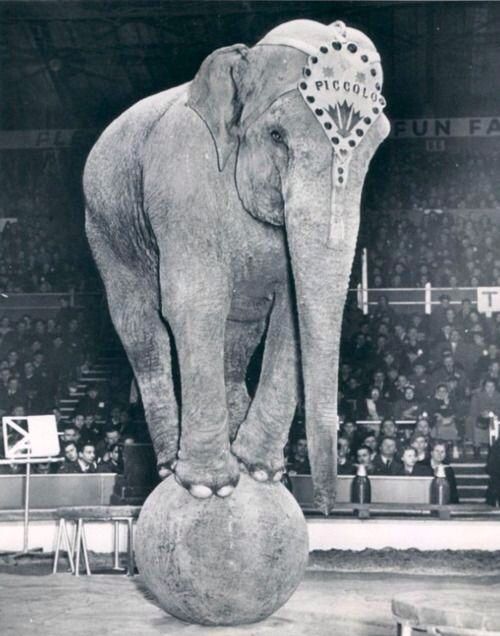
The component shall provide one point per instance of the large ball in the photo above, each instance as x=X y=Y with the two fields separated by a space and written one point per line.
x=222 y=561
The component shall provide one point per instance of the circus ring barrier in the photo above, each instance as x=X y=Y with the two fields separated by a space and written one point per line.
x=409 y=522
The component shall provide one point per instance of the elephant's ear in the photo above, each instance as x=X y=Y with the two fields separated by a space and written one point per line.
x=215 y=94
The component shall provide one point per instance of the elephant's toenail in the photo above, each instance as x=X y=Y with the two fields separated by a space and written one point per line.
x=278 y=475
x=164 y=472
x=225 y=491
x=200 y=492
x=260 y=475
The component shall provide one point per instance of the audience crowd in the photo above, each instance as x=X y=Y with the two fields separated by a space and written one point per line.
x=436 y=247
x=42 y=363
x=37 y=257
x=413 y=389
x=405 y=177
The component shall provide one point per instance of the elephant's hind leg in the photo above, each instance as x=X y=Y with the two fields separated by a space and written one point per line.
x=242 y=338
x=133 y=305
x=262 y=436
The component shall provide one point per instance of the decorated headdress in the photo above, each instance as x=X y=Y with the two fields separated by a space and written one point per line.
x=341 y=83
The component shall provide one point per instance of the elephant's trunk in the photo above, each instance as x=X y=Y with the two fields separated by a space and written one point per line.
x=321 y=264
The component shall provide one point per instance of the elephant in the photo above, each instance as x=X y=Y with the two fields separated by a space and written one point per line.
x=220 y=214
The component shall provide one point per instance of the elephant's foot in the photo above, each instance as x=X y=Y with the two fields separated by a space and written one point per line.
x=214 y=477
x=264 y=462
x=165 y=469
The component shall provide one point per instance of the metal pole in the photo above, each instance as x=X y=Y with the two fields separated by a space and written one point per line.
x=428 y=299
x=116 y=561
x=26 y=505
x=364 y=280
x=359 y=296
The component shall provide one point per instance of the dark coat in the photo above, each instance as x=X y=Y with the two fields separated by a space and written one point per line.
x=493 y=469
x=346 y=469
x=379 y=468
x=70 y=468
x=419 y=470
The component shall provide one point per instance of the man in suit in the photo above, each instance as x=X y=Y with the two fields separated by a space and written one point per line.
x=386 y=462
x=364 y=457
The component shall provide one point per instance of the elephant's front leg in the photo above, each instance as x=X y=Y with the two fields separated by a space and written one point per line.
x=205 y=464
x=263 y=434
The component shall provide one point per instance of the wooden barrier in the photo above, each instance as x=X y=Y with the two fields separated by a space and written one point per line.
x=53 y=491
x=397 y=490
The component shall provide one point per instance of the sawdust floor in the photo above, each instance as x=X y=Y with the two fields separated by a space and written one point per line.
x=326 y=603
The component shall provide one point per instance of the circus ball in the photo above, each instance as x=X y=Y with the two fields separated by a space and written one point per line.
x=220 y=561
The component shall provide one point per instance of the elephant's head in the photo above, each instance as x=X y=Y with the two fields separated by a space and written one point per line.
x=302 y=113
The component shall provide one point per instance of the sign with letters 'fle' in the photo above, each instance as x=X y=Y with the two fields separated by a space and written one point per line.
x=342 y=86
x=488 y=300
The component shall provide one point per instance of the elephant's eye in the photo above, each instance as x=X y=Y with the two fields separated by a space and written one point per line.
x=276 y=136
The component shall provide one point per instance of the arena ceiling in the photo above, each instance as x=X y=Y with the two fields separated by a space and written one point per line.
x=72 y=64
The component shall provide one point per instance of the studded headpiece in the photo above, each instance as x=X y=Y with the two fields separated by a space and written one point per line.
x=341 y=84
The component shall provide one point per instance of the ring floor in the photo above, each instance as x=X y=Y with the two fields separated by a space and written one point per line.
x=326 y=603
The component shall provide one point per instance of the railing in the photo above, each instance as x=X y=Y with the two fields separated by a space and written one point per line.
x=45 y=305
x=409 y=298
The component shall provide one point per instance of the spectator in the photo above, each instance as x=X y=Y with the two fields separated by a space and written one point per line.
x=375 y=407
x=422 y=447
x=370 y=441
x=484 y=405
x=111 y=438
x=29 y=380
x=443 y=413
x=438 y=456
x=388 y=428
x=70 y=435
x=422 y=427
x=344 y=464
x=299 y=464
x=407 y=407
x=364 y=458
x=14 y=395
x=386 y=462
x=90 y=432
x=86 y=458
x=410 y=466
x=93 y=403
x=349 y=431
x=114 y=463
x=70 y=465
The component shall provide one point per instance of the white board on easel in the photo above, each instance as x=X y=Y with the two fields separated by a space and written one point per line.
x=32 y=436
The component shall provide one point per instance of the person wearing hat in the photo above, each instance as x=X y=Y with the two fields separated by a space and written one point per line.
x=93 y=403
x=442 y=411
x=465 y=352
x=419 y=378
x=438 y=316
x=490 y=354
x=448 y=370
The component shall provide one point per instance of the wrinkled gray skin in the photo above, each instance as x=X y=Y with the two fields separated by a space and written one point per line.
x=201 y=217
